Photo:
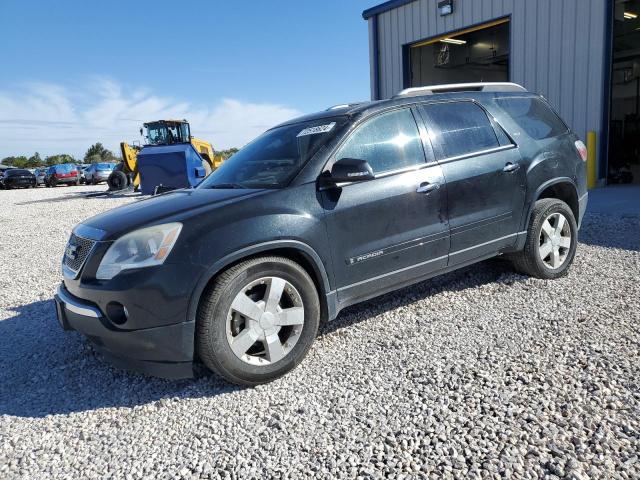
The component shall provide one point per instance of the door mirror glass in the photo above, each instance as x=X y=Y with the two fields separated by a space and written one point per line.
x=350 y=170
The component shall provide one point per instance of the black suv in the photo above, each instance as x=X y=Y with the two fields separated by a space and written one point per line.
x=319 y=213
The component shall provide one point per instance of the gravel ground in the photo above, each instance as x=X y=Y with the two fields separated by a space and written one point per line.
x=482 y=373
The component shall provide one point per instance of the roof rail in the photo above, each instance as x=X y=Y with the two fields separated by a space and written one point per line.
x=462 y=87
x=344 y=105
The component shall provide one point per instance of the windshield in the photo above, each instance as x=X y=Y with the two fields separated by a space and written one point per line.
x=18 y=172
x=275 y=157
x=163 y=134
x=105 y=166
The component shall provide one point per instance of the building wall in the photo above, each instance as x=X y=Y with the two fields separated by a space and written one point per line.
x=557 y=48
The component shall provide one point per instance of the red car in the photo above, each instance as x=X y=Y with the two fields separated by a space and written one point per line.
x=65 y=173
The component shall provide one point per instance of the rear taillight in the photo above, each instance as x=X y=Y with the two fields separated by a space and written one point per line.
x=582 y=150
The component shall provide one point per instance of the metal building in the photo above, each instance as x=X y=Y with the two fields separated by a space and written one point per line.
x=582 y=55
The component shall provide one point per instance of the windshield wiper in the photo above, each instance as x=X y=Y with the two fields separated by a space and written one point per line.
x=227 y=185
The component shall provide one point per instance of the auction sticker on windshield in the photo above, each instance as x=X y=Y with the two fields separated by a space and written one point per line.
x=317 y=129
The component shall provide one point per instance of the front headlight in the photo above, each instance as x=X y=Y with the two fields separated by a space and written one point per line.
x=142 y=248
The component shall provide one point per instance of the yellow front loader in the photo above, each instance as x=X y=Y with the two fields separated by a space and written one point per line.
x=160 y=133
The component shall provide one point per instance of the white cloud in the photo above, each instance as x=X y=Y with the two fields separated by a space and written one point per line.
x=52 y=119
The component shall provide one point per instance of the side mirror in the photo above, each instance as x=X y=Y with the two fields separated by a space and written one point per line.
x=200 y=172
x=349 y=170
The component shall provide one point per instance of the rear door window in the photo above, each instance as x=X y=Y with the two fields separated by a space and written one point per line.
x=460 y=128
x=534 y=116
x=390 y=141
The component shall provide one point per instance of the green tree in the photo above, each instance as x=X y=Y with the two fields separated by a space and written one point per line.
x=97 y=150
x=226 y=153
x=18 y=162
x=58 y=159
x=34 y=161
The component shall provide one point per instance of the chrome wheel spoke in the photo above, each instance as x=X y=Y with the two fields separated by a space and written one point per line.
x=274 y=294
x=565 y=242
x=274 y=348
x=290 y=316
x=545 y=249
x=547 y=228
x=243 y=341
x=560 y=225
x=555 y=258
x=246 y=307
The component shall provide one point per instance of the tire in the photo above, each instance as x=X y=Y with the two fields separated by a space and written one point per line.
x=117 y=180
x=529 y=260
x=53 y=182
x=215 y=321
x=207 y=167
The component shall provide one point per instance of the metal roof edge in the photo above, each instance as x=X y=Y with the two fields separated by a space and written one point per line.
x=384 y=7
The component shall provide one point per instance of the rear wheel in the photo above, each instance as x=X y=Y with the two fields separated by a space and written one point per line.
x=117 y=180
x=207 y=167
x=552 y=239
x=258 y=320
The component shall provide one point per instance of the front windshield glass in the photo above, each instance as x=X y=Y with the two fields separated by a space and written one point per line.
x=163 y=134
x=105 y=166
x=275 y=157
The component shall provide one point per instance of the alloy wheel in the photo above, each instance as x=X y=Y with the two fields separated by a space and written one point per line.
x=555 y=241
x=265 y=321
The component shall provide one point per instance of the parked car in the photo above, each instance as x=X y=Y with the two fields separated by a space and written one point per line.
x=81 y=170
x=40 y=173
x=320 y=213
x=17 y=178
x=98 y=172
x=65 y=173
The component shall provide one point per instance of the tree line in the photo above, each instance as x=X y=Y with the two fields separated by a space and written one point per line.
x=96 y=153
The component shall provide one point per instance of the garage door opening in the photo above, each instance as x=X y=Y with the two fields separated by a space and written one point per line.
x=624 y=130
x=476 y=54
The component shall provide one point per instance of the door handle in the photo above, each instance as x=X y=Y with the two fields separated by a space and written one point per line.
x=511 y=167
x=427 y=187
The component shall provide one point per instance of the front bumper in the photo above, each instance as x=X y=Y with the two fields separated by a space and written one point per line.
x=164 y=351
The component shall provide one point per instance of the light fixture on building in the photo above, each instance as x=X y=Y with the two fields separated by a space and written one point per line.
x=454 y=41
x=630 y=15
x=445 y=7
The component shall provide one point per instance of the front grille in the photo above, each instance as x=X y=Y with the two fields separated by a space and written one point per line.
x=76 y=252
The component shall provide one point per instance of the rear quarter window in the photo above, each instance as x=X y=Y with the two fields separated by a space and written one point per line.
x=534 y=116
x=461 y=128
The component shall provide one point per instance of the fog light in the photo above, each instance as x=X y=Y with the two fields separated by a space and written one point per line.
x=117 y=313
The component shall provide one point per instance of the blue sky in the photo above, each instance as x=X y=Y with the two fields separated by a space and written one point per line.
x=83 y=71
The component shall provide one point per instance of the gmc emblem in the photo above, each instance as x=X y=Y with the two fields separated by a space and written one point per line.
x=72 y=251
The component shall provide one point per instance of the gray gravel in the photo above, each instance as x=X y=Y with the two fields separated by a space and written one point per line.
x=482 y=373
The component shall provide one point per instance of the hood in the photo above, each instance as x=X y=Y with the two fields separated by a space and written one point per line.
x=170 y=207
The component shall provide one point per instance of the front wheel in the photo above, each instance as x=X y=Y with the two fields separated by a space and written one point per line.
x=552 y=239
x=258 y=320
